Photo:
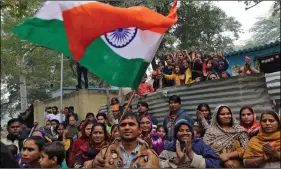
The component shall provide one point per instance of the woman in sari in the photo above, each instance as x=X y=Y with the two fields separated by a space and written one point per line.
x=89 y=150
x=263 y=150
x=187 y=151
x=226 y=137
x=86 y=128
x=247 y=118
x=153 y=139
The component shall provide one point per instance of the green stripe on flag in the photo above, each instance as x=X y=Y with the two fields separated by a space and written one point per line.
x=48 y=33
x=113 y=68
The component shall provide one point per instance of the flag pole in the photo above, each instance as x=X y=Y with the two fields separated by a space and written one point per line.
x=122 y=115
x=61 y=81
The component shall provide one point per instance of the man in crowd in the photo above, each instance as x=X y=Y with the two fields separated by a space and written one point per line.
x=90 y=116
x=82 y=70
x=176 y=113
x=143 y=111
x=69 y=111
x=72 y=130
x=16 y=134
x=114 y=115
x=101 y=118
x=135 y=154
x=55 y=115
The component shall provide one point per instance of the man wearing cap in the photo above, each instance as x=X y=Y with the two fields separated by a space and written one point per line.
x=114 y=114
x=129 y=151
x=143 y=111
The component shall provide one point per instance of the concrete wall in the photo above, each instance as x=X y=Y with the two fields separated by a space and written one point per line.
x=84 y=101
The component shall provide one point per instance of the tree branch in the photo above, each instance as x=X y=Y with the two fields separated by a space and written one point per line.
x=139 y=3
x=253 y=5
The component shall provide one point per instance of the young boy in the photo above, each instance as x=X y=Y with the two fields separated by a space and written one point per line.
x=52 y=155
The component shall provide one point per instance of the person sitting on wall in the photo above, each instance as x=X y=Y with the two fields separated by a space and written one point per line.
x=247 y=69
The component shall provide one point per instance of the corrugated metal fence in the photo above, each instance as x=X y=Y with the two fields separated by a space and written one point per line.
x=235 y=92
x=273 y=85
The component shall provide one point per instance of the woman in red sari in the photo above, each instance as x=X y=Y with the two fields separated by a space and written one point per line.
x=86 y=128
x=89 y=150
x=248 y=121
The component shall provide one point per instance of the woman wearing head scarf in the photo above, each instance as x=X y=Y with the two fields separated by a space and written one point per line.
x=247 y=117
x=187 y=151
x=226 y=137
x=153 y=139
x=86 y=128
x=41 y=133
x=263 y=150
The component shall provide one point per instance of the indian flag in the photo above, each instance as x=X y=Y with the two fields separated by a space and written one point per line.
x=117 y=44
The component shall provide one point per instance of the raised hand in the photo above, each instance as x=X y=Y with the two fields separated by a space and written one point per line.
x=188 y=145
x=200 y=115
x=65 y=131
x=248 y=60
x=179 y=152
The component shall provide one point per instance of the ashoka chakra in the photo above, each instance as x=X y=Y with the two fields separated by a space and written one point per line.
x=121 y=37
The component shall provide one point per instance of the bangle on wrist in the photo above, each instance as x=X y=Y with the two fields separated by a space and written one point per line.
x=256 y=163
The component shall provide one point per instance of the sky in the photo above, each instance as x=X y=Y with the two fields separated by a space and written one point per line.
x=246 y=18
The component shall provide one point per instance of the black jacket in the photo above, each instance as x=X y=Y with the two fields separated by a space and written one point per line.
x=21 y=137
x=7 y=159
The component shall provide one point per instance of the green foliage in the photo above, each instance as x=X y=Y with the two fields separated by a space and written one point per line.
x=265 y=30
x=202 y=25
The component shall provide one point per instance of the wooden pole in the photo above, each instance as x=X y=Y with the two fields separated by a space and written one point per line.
x=122 y=115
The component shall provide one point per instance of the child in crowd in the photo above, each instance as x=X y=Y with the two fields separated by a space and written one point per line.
x=53 y=155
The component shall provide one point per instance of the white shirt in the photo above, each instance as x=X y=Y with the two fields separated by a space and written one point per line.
x=60 y=117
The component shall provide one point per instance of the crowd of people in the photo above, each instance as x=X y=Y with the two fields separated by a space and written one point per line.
x=215 y=139
x=183 y=68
